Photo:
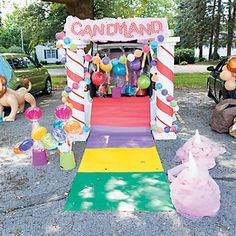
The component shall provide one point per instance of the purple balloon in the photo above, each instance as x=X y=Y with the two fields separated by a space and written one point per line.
x=85 y=69
x=164 y=92
x=106 y=60
x=154 y=62
x=68 y=89
x=160 y=38
x=135 y=65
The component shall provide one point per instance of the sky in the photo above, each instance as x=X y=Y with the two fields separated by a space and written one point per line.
x=6 y=6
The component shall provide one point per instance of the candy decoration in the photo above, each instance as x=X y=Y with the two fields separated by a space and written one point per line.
x=154 y=78
x=160 y=38
x=75 y=74
x=67 y=41
x=72 y=127
x=143 y=82
x=16 y=149
x=169 y=98
x=33 y=113
x=106 y=60
x=88 y=58
x=119 y=70
x=63 y=112
x=164 y=92
x=38 y=132
x=165 y=67
x=98 y=78
x=97 y=61
x=138 y=53
x=130 y=57
x=68 y=89
x=60 y=35
x=26 y=145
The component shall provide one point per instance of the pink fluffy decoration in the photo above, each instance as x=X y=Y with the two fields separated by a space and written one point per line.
x=194 y=193
x=203 y=149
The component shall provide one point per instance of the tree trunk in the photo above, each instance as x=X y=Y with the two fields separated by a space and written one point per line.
x=231 y=26
x=83 y=9
x=217 y=31
x=200 y=51
x=212 y=30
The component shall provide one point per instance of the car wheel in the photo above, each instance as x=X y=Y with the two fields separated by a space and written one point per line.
x=209 y=94
x=48 y=86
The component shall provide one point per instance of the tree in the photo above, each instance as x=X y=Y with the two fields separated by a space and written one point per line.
x=80 y=8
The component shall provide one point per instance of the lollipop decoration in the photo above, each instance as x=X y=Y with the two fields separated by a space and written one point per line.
x=146 y=50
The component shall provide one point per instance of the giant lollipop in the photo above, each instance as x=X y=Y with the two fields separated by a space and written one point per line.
x=146 y=50
x=63 y=112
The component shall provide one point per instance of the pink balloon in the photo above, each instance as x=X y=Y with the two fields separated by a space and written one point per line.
x=63 y=112
x=33 y=113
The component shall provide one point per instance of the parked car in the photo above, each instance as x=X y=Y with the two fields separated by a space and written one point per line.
x=215 y=84
x=25 y=67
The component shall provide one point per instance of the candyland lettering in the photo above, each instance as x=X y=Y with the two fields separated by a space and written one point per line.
x=89 y=30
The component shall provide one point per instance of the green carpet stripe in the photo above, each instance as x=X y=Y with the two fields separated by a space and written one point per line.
x=127 y=191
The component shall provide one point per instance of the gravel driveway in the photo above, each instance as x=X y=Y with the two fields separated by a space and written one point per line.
x=32 y=199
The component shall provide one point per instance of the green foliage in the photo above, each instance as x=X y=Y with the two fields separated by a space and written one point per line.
x=15 y=49
x=39 y=22
x=183 y=63
x=184 y=54
x=2 y=49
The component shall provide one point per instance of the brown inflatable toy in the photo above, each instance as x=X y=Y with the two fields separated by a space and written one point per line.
x=14 y=99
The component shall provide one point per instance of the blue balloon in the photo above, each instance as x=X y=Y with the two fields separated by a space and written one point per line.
x=158 y=86
x=67 y=41
x=59 y=134
x=86 y=129
x=26 y=145
x=119 y=70
x=58 y=123
x=114 y=62
x=87 y=80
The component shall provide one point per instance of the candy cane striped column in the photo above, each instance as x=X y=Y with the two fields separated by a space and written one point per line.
x=75 y=74
x=165 y=68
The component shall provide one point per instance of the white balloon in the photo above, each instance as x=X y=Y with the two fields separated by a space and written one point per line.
x=130 y=57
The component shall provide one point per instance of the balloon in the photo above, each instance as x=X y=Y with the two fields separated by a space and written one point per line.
x=230 y=85
x=67 y=41
x=63 y=112
x=154 y=56
x=85 y=69
x=154 y=62
x=123 y=59
x=87 y=75
x=226 y=75
x=48 y=142
x=86 y=128
x=72 y=127
x=68 y=89
x=87 y=80
x=58 y=124
x=169 y=98
x=146 y=49
x=173 y=129
x=106 y=68
x=154 y=44
x=173 y=103
x=98 y=78
x=114 y=61
x=119 y=70
x=158 y=86
x=143 y=82
x=160 y=38
x=64 y=94
x=154 y=78
x=16 y=149
x=73 y=47
x=38 y=132
x=138 y=53
x=231 y=64
x=135 y=65
x=88 y=58
x=96 y=59
x=59 y=45
x=164 y=92
x=106 y=60
x=60 y=35
x=166 y=129
x=75 y=85
x=33 y=113
x=159 y=130
x=59 y=134
x=130 y=57
x=26 y=145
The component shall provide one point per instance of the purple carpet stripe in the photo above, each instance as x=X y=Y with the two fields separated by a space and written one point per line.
x=110 y=137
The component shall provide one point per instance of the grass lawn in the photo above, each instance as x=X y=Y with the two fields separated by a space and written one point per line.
x=53 y=66
x=191 y=80
x=182 y=80
x=58 y=81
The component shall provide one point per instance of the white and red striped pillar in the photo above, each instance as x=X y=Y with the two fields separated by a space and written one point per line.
x=165 y=73
x=75 y=74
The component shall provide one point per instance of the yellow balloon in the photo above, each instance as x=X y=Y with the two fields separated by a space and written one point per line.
x=106 y=68
x=38 y=132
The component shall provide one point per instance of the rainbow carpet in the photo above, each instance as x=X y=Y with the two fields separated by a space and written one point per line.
x=120 y=169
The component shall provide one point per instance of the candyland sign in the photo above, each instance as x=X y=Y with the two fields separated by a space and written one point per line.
x=110 y=29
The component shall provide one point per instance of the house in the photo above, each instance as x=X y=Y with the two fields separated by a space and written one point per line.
x=48 y=54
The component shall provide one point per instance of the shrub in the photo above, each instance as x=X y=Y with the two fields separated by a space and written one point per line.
x=202 y=59
x=15 y=49
x=44 y=62
x=58 y=62
x=2 y=49
x=183 y=63
x=184 y=54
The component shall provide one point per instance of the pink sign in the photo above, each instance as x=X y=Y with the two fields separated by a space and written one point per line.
x=110 y=29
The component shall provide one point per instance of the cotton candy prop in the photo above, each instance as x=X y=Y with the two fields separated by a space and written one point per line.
x=193 y=192
x=203 y=150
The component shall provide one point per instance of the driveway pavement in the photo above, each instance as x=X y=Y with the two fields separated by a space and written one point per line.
x=177 y=69
x=32 y=199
